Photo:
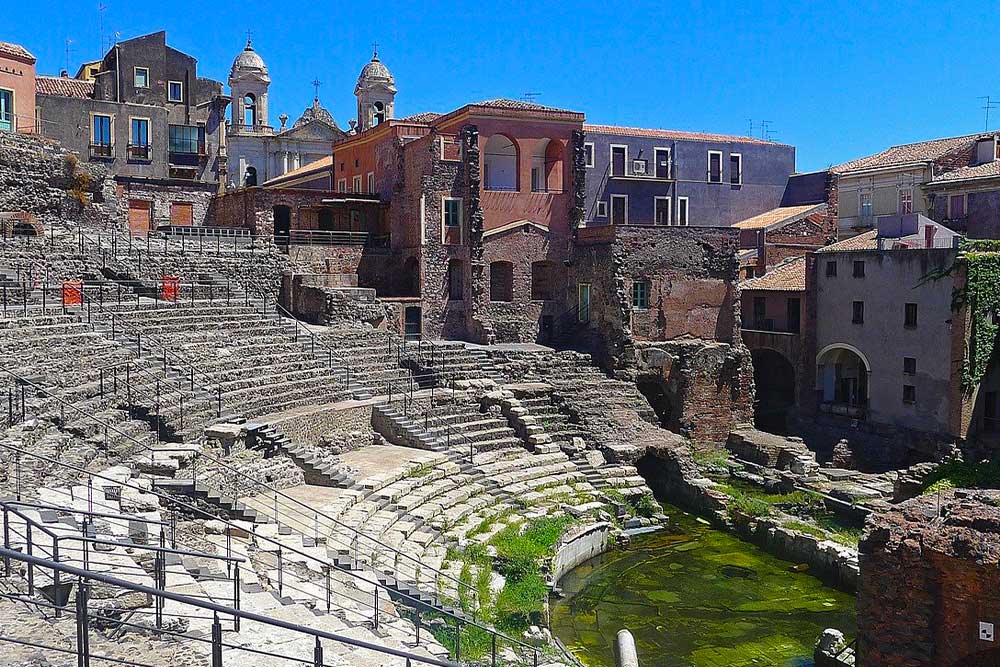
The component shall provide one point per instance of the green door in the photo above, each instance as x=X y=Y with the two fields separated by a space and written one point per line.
x=7 y=110
x=583 y=302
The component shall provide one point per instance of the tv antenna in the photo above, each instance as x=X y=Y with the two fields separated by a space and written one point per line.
x=765 y=130
x=987 y=105
x=530 y=97
x=69 y=50
x=750 y=123
x=101 y=8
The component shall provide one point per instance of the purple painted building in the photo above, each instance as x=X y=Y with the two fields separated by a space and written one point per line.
x=644 y=177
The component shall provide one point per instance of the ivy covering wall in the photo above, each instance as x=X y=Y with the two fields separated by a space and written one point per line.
x=982 y=294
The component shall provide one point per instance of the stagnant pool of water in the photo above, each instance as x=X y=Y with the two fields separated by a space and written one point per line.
x=695 y=596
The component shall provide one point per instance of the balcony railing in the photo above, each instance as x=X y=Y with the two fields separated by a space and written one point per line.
x=768 y=325
x=139 y=151
x=102 y=151
x=241 y=128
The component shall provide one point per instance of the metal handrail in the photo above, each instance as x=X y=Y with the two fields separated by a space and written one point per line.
x=357 y=533
x=197 y=511
x=282 y=312
x=82 y=574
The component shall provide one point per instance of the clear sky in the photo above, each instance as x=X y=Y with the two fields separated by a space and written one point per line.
x=837 y=79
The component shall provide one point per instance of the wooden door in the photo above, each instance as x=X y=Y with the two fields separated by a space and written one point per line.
x=182 y=214
x=140 y=216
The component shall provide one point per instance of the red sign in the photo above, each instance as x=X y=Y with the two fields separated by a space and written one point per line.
x=72 y=292
x=168 y=292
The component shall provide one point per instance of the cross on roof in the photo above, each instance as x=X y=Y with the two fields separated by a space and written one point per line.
x=249 y=37
x=316 y=83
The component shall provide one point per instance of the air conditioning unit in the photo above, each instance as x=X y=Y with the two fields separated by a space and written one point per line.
x=639 y=167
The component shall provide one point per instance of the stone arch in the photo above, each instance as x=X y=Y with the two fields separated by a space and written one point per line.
x=842 y=374
x=250 y=115
x=774 y=382
x=500 y=163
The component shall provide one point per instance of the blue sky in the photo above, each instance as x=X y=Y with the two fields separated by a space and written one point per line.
x=836 y=79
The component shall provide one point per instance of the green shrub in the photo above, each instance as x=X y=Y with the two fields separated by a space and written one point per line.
x=520 y=603
x=647 y=506
x=748 y=505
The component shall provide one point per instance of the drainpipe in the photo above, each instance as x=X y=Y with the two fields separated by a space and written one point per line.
x=118 y=74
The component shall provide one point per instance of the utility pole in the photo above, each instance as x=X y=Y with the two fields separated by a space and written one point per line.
x=987 y=105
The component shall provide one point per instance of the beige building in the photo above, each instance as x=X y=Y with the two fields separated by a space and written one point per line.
x=891 y=182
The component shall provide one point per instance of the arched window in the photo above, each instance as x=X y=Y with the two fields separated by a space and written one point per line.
x=249 y=110
x=501 y=281
x=250 y=179
x=500 y=164
x=378 y=113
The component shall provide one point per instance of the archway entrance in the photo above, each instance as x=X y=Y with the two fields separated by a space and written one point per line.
x=282 y=224
x=774 y=382
x=664 y=401
x=842 y=373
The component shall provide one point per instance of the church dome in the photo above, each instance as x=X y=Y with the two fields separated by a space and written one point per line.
x=315 y=112
x=249 y=62
x=375 y=72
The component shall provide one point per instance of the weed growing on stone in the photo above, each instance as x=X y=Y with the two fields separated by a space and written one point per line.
x=647 y=506
x=962 y=474
x=747 y=505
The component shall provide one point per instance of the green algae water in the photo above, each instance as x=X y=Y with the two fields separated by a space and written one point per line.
x=694 y=596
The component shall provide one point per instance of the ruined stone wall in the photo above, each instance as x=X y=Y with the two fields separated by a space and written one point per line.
x=929 y=576
x=39 y=176
x=320 y=300
x=705 y=388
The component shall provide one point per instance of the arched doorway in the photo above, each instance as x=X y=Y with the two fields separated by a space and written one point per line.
x=282 y=224
x=774 y=382
x=500 y=164
x=842 y=375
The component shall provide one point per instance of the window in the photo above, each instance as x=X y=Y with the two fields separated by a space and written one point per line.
x=831 y=269
x=640 y=295
x=619 y=209
x=793 y=310
x=714 y=166
x=357 y=163
x=910 y=315
x=661 y=210
x=456 y=290
x=906 y=201
x=909 y=393
x=602 y=209
x=452 y=213
x=100 y=136
x=249 y=110
x=371 y=182
x=500 y=164
x=956 y=207
x=175 y=91
x=858 y=312
x=735 y=169
x=865 y=204
x=378 y=113
x=356 y=184
x=588 y=155
x=909 y=366
x=682 y=211
x=138 y=145
x=619 y=158
x=187 y=139
x=342 y=185
x=661 y=156
x=859 y=269
x=544 y=279
x=7 y=118
x=141 y=77
x=760 y=313
x=501 y=281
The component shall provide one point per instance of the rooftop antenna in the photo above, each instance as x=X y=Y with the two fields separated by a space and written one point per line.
x=987 y=105
x=530 y=97
x=750 y=122
x=316 y=83
x=765 y=129
x=100 y=22
x=69 y=50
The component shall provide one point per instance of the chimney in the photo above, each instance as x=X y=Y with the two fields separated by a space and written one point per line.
x=929 y=232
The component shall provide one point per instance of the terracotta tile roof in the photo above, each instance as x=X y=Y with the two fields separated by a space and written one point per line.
x=985 y=170
x=786 y=276
x=520 y=105
x=866 y=241
x=423 y=117
x=64 y=86
x=674 y=134
x=316 y=165
x=922 y=151
x=15 y=50
x=782 y=215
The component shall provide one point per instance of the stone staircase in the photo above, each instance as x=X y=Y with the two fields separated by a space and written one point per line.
x=451 y=360
x=319 y=468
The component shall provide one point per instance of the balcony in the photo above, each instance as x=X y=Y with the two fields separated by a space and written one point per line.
x=102 y=152
x=252 y=130
x=140 y=152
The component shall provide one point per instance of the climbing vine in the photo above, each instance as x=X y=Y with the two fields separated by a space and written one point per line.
x=982 y=294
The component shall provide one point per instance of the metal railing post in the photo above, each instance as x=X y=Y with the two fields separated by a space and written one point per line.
x=6 y=545
x=31 y=568
x=216 y=641
x=375 y=610
x=82 y=625
x=318 y=654
x=281 y=572
x=55 y=574
x=236 y=595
